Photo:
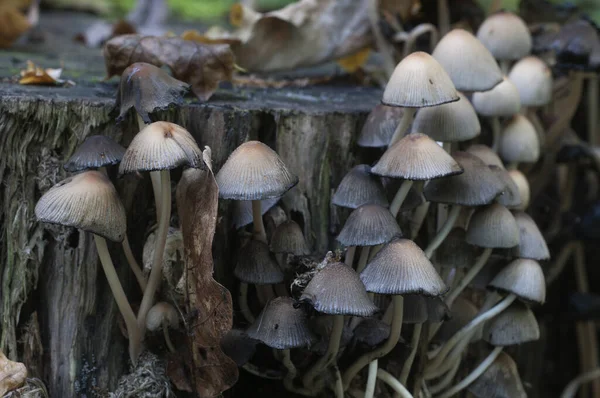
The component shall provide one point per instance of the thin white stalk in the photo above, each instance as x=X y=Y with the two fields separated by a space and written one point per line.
x=592 y=110
x=446 y=365
x=495 y=122
x=338 y=386
x=362 y=260
x=571 y=389
x=257 y=222
x=154 y=177
x=472 y=273
x=394 y=384
x=417 y=219
x=349 y=258
x=371 y=379
x=331 y=354
x=414 y=345
x=133 y=264
x=447 y=379
x=400 y=196
x=443 y=17
x=444 y=231
x=263 y=373
x=288 y=380
x=243 y=296
x=170 y=345
x=405 y=121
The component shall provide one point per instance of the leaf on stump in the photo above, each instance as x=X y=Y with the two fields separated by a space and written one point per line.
x=12 y=374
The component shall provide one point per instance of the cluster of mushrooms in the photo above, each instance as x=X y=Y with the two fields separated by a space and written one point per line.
x=439 y=252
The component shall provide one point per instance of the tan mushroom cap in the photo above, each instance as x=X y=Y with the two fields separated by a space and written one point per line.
x=288 y=238
x=524 y=278
x=500 y=380
x=505 y=35
x=493 y=226
x=161 y=146
x=256 y=265
x=359 y=187
x=511 y=196
x=252 y=172
x=523 y=185
x=519 y=141
x=401 y=267
x=380 y=125
x=369 y=225
x=514 y=325
x=94 y=152
x=486 y=154
x=533 y=79
x=469 y=64
x=455 y=252
x=416 y=157
x=453 y=122
x=501 y=101
x=532 y=243
x=86 y=201
x=419 y=81
x=161 y=313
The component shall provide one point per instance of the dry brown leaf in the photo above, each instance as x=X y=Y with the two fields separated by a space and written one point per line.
x=13 y=22
x=177 y=373
x=209 y=305
x=354 y=62
x=12 y=374
x=33 y=74
x=202 y=66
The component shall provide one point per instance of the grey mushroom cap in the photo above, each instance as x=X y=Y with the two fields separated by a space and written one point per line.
x=493 y=226
x=415 y=309
x=337 y=289
x=288 y=238
x=161 y=146
x=253 y=172
x=461 y=313
x=506 y=36
x=416 y=157
x=532 y=243
x=94 y=152
x=372 y=331
x=87 y=201
x=242 y=211
x=501 y=101
x=486 y=154
x=256 y=265
x=519 y=141
x=477 y=186
x=533 y=79
x=401 y=267
x=514 y=325
x=237 y=345
x=511 y=196
x=282 y=326
x=369 y=225
x=455 y=252
x=359 y=187
x=500 y=380
x=160 y=314
x=523 y=186
x=380 y=125
x=524 y=278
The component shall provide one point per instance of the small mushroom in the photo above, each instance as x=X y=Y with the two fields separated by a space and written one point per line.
x=519 y=142
x=359 y=187
x=163 y=315
x=379 y=127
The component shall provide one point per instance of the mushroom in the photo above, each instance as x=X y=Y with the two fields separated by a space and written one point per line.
x=519 y=142
x=163 y=315
x=359 y=187
x=242 y=211
x=288 y=239
x=379 y=127
x=531 y=243
x=501 y=379
x=486 y=154
x=511 y=196
x=523 y=185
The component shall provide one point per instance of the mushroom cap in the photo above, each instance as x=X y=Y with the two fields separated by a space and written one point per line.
x=455 y=252
x=336 y=289
x=416 y=157
x=533 y=79
x=453 y=122
x=519 y=141
x=419 y=81
x=501 y=101
x=94 y=152
x=148 y=88
x=524 y=278
x=288 y=238
x=242 y=211
x=282 y=326
x=256 y=265
x=505 y=35
x=161 y=313
x=511 y=196
x=372 y=331
x=401 y=267
x=500 y=380
x=461 y=313
x=161 y=146
x=477 y=186
x=493 y=226
x=514 y=325
x=576 y=45
x=86 y=201
x=469 y=64
x=415 y=309
x=380 y=125
x=252 y=172
x=523 y=185
x=486 y=154
x=238 y=346
x=532 y=243
x=369 y=225
x=359 y=187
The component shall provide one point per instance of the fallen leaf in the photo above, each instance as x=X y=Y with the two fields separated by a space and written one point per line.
x=13 y=22
x=208 y=305
x=202 y=66
x=177 y=373
x=33 y=74
x=12 y=374
x=353 y=62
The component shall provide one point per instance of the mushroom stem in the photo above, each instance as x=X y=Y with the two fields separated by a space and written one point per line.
x=592 y=109
x=414 y=343
x=571 y=389
x=444 y=231
x=155 y=177
x=443 y=17
x=331 y=354
x=243 y=295
x=393 y=383
x=505 y=66
x=451 y=359
x=417 y=219
x=159 y=250
x=400 y=196
x=364 y=360
x=405 y=121
x=133 y=330
x=133 y=264
x=257 y=222
x=475 y=373
x=496 y=130
x=170 y=345
x=349 y=258
x=268 y=374
x=371 y=379
x=339 y=386
x=472 y=273
x=288 y=380
x=362 y=260
x=447 y=379
x=382 y=46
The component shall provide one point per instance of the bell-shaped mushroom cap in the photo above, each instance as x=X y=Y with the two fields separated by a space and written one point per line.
x=523 y=185
x=419 y=81
x=161 y=146
x=461 y=313
x=574 y=45
x=452 y=122
x=288 y=238
x=415 y=309
x=532 y=244
x=514 y=325
x=358 y=188
x=486 y=154
x=493 y=226
x=87 y=201
x=511 y=196
x=477 y=186
x=281 y=326
x=254 y=171
x=256 y=265
x=369 y=225
x=147 y=89
x=416 y=157
x=455 y=252
x=242 y=211
x=500 y=380
x=160 y=314
x=380 y=125
x=336 y=289
x=503 y=100
x=372 y=331
x=523 y=277
x=533 y=79
x=505 y=35
x=94 y=152
x=238 y=346
x=519 y=141
x=401 y=267
x=470 y=65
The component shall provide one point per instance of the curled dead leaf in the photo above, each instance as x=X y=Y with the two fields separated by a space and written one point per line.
x=34 y=74
x=13 y=21
x=12 y=374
